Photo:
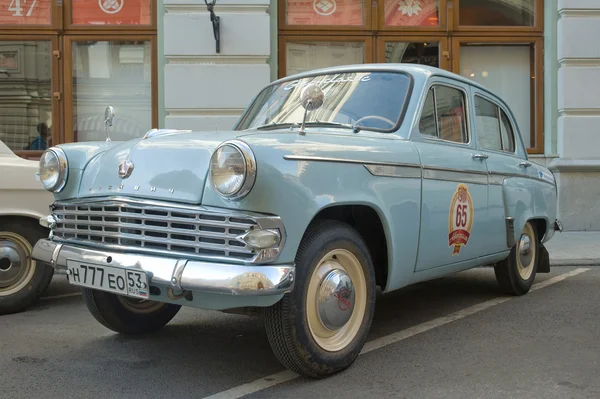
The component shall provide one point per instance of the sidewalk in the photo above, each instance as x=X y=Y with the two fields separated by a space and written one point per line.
x=574 y=248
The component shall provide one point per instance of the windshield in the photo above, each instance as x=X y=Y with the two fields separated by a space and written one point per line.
x=367 y=100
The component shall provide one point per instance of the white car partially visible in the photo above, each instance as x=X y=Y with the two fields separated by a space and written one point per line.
x=23 y=201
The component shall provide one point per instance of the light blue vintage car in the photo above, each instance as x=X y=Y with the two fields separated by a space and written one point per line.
x=333 y=182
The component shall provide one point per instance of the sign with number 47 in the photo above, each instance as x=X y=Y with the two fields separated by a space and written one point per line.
x=26 y=12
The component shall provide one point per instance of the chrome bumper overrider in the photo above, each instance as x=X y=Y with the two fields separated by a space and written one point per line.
x=178 y=274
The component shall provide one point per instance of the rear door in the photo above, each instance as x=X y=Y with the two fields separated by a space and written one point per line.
x=509 y=185
x=455 y=183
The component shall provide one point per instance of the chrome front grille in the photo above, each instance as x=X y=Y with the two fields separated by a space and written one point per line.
x=125 y=225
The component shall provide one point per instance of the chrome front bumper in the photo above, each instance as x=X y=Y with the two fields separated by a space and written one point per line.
x=178 y=274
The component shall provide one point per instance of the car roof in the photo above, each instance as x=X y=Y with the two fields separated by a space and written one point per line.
x=425 y=71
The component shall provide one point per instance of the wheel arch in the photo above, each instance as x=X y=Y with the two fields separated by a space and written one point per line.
x=369 y=223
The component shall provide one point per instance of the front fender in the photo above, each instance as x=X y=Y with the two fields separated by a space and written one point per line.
x=298 y=189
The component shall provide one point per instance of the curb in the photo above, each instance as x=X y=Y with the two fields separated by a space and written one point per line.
x=575 y=262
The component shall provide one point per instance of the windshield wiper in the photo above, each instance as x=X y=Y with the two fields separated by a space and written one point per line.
x=354 y=128
x=273 y=124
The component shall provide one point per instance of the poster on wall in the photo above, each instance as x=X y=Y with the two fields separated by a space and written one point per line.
x=411 y=12
x=25 y=12
x=325 y=12
x=111 y=12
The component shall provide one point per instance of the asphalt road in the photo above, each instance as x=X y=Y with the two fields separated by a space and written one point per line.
x=455 y=337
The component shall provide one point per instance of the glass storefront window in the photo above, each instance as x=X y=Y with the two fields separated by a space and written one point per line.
x=25 y=12
x=416 y=13
x=325 y=12
x=304 y=56
x=497 y=12
x=116 y=73
x=111 y=12
x=505 y=70
x=425 y=53
x=26 y=94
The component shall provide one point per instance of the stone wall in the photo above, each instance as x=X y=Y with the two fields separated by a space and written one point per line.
x=204 y=90
x=578 y=128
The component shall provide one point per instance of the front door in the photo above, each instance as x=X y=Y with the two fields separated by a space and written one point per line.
x=455 y=185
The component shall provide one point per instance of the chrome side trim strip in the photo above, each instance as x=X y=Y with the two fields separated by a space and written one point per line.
x=496 y=179
x=394 y=171
x=345 y=160
x=510 y=232
x=455 y=176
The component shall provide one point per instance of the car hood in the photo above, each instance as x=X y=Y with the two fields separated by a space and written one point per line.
x=170 y=167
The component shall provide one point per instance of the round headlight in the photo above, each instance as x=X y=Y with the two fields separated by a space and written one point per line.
x=53 y=169
x=233 y=169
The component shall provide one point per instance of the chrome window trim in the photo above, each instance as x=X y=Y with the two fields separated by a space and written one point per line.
x=347 y=160
x=261 y=221
x=432 y=83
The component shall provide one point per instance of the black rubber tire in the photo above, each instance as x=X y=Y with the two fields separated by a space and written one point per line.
x=286 y=322
x=26 y=297
x=108 y=310
x=507 y=272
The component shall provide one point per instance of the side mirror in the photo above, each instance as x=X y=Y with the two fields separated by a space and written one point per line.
x=311 y=98
x=109 y=115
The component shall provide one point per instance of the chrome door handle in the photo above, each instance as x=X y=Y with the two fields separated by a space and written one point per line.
x=525 y=164
x=480 y=156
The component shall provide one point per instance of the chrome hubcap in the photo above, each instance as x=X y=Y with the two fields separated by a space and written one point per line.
x=16 y=268
x=335 y=300
x=140 y=306
x=526 y=252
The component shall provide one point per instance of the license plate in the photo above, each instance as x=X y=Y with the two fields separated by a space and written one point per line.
x=122 y=281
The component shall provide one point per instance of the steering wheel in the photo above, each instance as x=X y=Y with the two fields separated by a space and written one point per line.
x=375 y=117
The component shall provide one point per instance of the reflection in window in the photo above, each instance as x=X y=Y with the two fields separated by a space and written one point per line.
x=305 y=56
x=425 y=53
x=412 y=12
x=487 y=125
x=448 y=104
x=25 y=94
x=111 y=73
x=325 y=12
x=497 y=12
x=371 y=100
x=506 y=132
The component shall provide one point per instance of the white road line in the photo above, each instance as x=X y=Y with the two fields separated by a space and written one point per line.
x=287 y=375
x=46 y=298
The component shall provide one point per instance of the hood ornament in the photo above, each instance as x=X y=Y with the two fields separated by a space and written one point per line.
x=109 y=115
x=125 y=169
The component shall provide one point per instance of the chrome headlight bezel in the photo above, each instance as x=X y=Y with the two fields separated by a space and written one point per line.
x=250 y=170
x=63 y=169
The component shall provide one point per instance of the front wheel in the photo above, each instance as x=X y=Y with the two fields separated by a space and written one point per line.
x=128 y=315
x=516 y=274
x=321 y=326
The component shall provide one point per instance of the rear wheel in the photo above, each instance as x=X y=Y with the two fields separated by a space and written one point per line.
x=321 y=326
x=516 y=274
x=22 y=279
x=128 y=315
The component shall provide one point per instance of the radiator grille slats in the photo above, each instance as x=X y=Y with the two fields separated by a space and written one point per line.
x=174 y=230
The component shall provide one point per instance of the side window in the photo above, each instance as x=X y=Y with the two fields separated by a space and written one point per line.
x=427 y=123
x=508 y=136
x=444 y=114
x=450 y=105
x=487 y=124
x=494 y=131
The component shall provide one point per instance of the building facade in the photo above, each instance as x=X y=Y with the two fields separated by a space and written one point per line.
x=165 y=64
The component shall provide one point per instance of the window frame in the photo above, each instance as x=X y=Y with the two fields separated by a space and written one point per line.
x=536 y=67
x=56 y=23
x=467 y=113
x=538 y=25
x=67 y=10
x=68 y=76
